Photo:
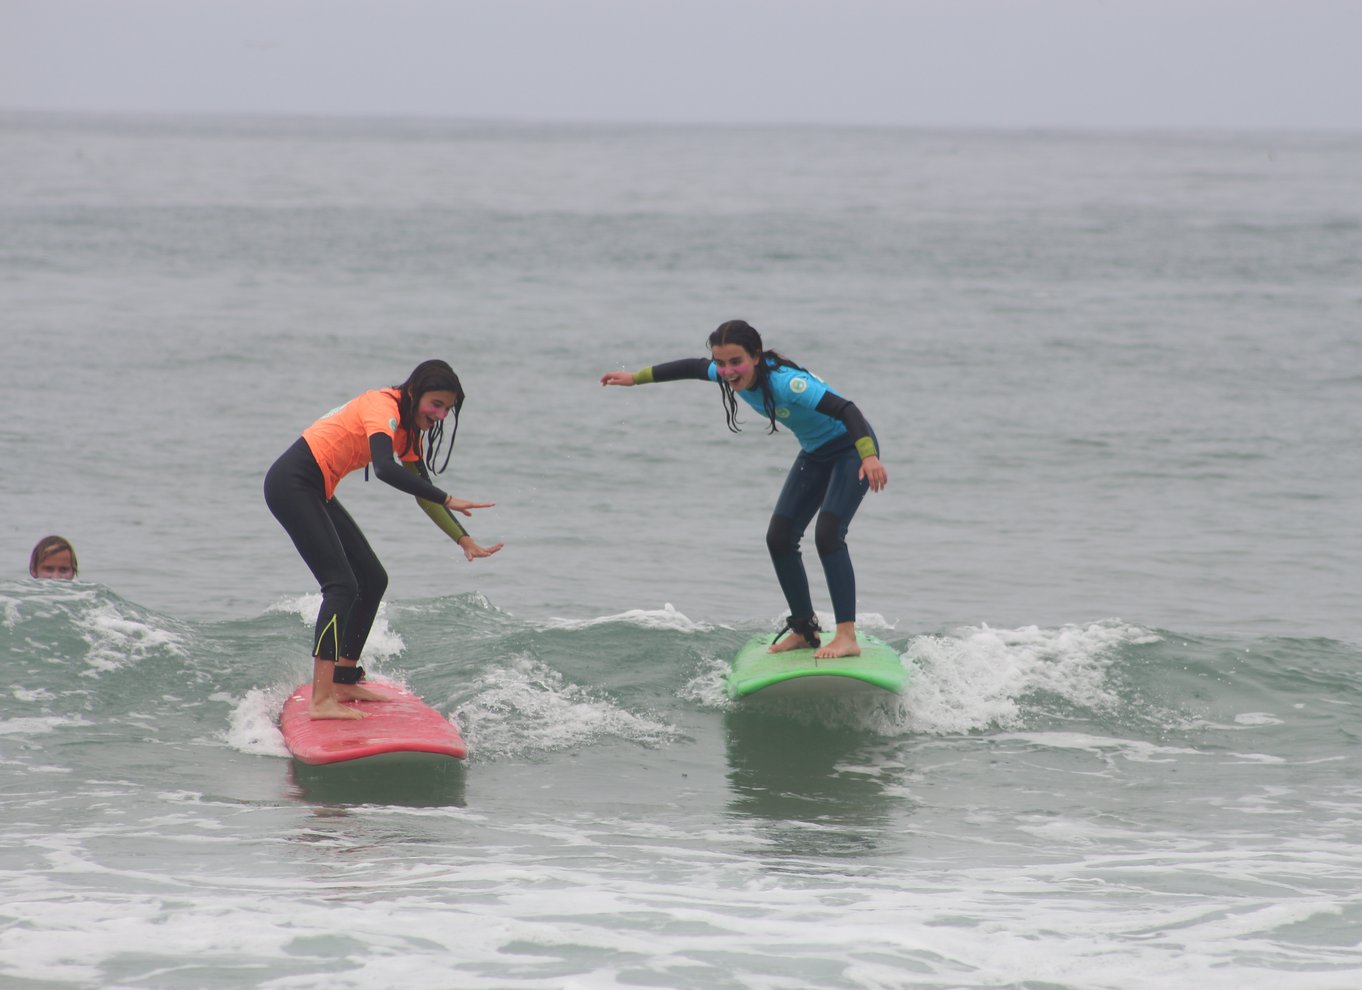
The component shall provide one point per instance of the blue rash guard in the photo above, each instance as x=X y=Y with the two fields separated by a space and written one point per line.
x=797 y=394
x=804 y=403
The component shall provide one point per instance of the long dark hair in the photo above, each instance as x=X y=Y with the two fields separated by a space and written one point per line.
x=429 y=376
x=745 y=335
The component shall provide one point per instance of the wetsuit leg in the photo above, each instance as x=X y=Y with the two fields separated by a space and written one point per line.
x=845 y=492
x=295 y=495
x=804 y=489
x=370 y=577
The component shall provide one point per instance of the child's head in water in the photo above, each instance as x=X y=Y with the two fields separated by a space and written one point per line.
x=53 y=557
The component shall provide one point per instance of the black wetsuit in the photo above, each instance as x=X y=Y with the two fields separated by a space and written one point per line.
x=332 y=545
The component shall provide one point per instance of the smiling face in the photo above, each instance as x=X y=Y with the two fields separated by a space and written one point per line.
x=736 y=365
x=432 y=407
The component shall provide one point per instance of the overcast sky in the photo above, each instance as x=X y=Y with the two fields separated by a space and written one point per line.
x=1294 y=64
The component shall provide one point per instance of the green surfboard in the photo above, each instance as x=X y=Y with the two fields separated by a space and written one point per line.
x=797 y=672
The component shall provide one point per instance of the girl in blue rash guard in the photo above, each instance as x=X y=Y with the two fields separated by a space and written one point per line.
x=838 y=462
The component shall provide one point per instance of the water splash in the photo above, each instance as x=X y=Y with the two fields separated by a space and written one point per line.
x=978 y=677
x=665 y=618
x=525 y=707
x=117 y=636
x=253 y=725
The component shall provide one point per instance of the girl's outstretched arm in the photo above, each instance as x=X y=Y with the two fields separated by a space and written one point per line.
x=442 y=514
x=668 y=371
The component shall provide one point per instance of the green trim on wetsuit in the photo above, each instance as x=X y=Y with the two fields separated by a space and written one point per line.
x=331 y=629
x=644 y=377
x=441 y=516
x=866 y=447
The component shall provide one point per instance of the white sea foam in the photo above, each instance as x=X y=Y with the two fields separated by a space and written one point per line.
x=1133 y=750
x=12 y=613
x=1255 y=719
x=667 y=617
x=32 y=600
x=115 y=638
x=38 y=725
x=976 y=678
x=598 y=903
x=524 y=706
x=254 y=726
x=710 y=686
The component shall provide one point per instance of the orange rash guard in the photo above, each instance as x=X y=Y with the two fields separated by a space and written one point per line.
x=340 y=439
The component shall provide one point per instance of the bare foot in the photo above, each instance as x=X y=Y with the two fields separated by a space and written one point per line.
x=330 y=708
x=794 y=641
x=841 y=646
x=353 y=692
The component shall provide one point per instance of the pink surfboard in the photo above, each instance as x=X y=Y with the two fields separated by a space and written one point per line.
x=403 y=729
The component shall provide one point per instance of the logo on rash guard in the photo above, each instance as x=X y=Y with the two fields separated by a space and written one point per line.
x=782 y=412
x=392 y=422
x=798 y=385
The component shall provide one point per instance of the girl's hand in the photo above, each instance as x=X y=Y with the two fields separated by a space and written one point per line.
x=873 y=471
x=463 y=505
x=471 y=549
x=617 y=378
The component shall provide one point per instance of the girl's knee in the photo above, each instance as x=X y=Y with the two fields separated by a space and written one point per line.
x=830 y=534
x=780 y=537
x=375 y=582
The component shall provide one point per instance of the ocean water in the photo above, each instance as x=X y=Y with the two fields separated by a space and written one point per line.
x=1117 y=379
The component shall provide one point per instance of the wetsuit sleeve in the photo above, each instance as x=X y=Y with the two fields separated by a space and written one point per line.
x=441 y=516
x=839 y=408
x=387 y=470
x=675 y=371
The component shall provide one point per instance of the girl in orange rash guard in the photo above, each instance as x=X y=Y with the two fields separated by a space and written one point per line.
x=381 y=428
